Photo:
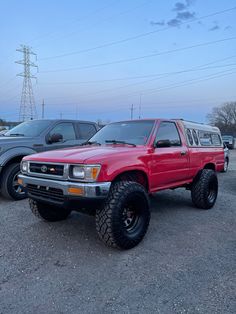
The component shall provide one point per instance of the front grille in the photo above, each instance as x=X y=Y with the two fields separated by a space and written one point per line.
x=52 y=169
x=45 y=192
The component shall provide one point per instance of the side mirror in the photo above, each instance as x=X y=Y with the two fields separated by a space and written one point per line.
x=55 y=138
x=163 y=143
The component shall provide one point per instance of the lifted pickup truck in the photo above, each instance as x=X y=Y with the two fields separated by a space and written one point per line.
x=119 y=167
x=36 y=136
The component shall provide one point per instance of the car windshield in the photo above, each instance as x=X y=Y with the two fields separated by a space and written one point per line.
x=227 y=137
x=130 y=132
x=29 y=128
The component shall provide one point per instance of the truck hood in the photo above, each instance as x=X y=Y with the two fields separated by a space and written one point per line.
x=94 y=154
x=14 y=140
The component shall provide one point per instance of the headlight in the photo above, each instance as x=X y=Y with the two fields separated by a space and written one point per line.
x=85 y=172
x=24 y=166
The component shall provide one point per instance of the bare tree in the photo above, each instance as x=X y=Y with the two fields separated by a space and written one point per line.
x=224 y=117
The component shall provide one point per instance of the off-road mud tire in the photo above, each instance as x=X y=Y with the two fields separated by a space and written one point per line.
x=205 y=189
x=111 y=223
x=48 y=212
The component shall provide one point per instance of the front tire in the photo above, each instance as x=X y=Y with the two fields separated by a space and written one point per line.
x=205 y=189
x=10 y=188
x=48 y=212
x=123 y=220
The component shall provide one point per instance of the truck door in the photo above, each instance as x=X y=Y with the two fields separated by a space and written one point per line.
x=170 y=164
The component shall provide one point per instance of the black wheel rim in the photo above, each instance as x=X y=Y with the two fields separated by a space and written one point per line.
x=212 y=192
x=130 y=217
x=133 y=214
x=16 y=186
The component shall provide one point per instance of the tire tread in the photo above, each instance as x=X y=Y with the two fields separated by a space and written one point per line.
x=107 y=224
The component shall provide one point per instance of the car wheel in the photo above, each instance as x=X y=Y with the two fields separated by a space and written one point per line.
x=48 y=212
x=10 y=188
x=205 y=189
x=123 y=220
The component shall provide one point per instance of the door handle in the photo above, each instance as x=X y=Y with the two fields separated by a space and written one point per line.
x=183 y=153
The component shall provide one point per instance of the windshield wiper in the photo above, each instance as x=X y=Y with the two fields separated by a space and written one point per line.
x=17 y=134
x=119 y=142
x=90 y=143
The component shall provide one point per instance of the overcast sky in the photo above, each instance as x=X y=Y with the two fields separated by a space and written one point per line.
x=97 y=58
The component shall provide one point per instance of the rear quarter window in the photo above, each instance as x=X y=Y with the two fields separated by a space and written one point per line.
x=216 y=140
x=189 y=136
x=195 y=137
x=205 y=138
x=209 y=139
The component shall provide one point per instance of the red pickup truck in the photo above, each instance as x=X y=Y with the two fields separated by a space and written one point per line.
x=113 y=174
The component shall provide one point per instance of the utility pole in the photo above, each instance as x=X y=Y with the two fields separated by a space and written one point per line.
x=76 y=112
x=132 y=111
x=140 y=103
x=27 y=106
x=43 y=105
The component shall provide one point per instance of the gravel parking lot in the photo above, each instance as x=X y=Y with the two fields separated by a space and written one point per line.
x=186 y=263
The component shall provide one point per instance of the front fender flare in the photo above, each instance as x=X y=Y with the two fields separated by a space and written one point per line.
x=15 y=152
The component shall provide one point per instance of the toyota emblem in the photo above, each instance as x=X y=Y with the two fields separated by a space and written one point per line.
x=44 y=169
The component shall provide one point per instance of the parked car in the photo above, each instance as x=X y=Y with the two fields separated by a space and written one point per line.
x=119 y=167
x=2 y=132
x=36 y=136
x=226 y=155
x=228 y=140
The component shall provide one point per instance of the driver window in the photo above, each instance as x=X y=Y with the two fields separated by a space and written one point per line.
x=168 y=131
x=66 y=129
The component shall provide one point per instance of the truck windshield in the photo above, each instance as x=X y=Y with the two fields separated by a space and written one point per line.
x=132 y=132
x=29 y=128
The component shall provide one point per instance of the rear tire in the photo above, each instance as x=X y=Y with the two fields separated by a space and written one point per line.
x=123 y=220
x=205 y=189
x=48 y=212
x=9 y=186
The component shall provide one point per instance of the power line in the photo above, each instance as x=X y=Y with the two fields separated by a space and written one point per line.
x=192 y=81
x=76 y=21
x=101 y=20
x=158 y=77
x=183 y=83
x=197 y=68
x=136 y=36
x=144 y=76
x=8 y=81
x=141 y=57
x=165 y=104
x=163 y=88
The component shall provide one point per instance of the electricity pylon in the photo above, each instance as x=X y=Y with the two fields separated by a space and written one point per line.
x=27 y=106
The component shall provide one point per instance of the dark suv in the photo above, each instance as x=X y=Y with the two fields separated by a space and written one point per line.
x=36 y=136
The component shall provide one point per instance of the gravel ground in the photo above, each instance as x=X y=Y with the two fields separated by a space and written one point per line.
x=186 y=263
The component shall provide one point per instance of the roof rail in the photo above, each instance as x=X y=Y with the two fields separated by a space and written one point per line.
x=189 y=121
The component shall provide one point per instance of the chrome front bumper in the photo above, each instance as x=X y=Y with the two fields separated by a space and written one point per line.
x=98 y=190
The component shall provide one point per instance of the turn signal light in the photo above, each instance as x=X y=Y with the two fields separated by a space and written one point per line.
x=76 y=191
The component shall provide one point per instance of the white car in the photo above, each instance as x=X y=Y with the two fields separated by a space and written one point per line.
x=226 y=152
